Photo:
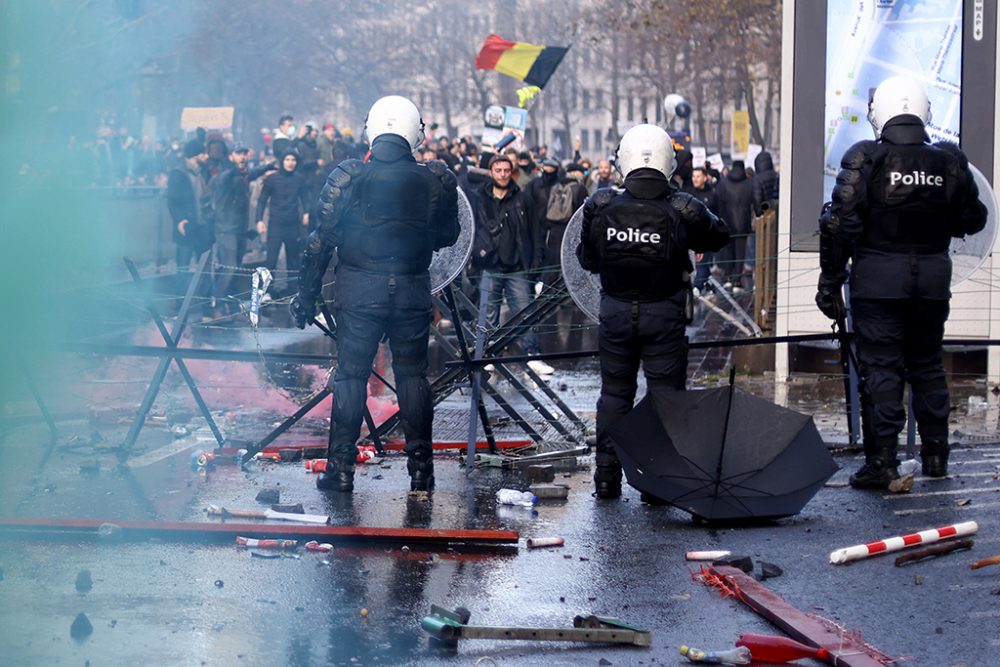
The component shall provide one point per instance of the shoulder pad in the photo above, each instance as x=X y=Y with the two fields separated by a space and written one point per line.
x=603 y=196
x=344 y=173
x=688 y=206
x=681 y=200
x=855 y=156
x=440 y=169
x=952 y=149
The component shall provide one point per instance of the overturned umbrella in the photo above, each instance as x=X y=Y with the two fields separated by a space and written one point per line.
x=722 y=454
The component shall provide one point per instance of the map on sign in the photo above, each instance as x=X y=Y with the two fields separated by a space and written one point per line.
x=867 y=41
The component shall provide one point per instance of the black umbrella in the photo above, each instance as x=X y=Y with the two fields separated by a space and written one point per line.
x=722 y=454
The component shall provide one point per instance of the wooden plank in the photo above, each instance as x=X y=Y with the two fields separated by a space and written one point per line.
x=226 y=531
x=845 y=650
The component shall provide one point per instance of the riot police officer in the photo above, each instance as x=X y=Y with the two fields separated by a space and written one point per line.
x=385 y=218
x=897 y=203
x=637 y=238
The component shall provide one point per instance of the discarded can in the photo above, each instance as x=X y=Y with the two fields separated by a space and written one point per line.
x=317 y=466
x=313 y=545
x=265 y=544
x=736 y=656
x=202 y=459
x=537 y=542
x=366 y=453
x=707 y=555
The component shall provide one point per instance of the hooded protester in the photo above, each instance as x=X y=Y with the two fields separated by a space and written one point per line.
x=284 y=194
x=734 y=197
x=765 y=183
x=189 y=205
x=525 y=169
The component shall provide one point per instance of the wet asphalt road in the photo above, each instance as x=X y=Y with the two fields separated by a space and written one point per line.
x=158 y=603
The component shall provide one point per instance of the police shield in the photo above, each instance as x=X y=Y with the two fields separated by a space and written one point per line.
x=448 y=263
x=969 y=254
x=584 y=287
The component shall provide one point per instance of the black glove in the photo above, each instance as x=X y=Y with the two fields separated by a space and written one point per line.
x=303 y=311
x=829 y=298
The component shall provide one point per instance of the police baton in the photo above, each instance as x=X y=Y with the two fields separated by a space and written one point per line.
x=846 y=359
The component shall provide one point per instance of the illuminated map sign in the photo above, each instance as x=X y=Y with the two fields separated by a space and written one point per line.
x=869 y=41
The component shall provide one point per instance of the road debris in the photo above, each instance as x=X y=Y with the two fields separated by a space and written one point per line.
x=81 y=627
x=550 y=491
x=313 y=545
x=847 y=646
x=740 y=562
x=266 y=544
x=538 y=542
x=932 y=551
x=447 y=627
x=734 y=656
x=774 y=648
x=84 y=582
x=992 y=560
x=857 y=552
x=317 y=519
x=707 y=555
x=769 y=570
x=268 y=496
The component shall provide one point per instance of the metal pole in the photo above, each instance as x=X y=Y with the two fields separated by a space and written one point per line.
x=484 y=299
x=456 y=318
x=911 y=428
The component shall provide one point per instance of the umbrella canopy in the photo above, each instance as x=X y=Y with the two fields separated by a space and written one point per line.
x=722 y=454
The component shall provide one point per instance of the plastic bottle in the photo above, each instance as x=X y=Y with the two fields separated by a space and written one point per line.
x=735 y=656
x=515 y=497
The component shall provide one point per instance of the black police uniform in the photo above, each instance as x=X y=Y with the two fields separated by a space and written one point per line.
x=637 y=238
x=385 y=218
x=896 y=205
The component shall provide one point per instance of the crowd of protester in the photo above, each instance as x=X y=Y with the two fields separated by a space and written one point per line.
x=252 y=203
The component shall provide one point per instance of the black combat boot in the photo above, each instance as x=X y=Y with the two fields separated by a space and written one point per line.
x=608 y=475
x=934 y=457
x=339 y=475
x=420 y=465
x=879 y=469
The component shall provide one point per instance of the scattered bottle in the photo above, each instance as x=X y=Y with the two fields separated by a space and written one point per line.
x=515 y=497
x=736 y=656
x=109 y=532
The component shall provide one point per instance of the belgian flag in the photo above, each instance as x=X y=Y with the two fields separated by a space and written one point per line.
x=531 y=63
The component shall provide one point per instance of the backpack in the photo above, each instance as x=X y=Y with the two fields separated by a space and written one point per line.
x=560 y=205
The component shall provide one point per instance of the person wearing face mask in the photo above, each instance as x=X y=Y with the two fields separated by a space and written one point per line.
x=285 y=196
x=525 y=169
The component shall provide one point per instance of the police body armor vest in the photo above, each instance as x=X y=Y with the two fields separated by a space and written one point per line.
x=910 y=188
x=388 y=226
x=639 y=256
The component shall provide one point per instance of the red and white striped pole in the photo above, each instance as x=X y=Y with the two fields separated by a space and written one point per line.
x=857 y=552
